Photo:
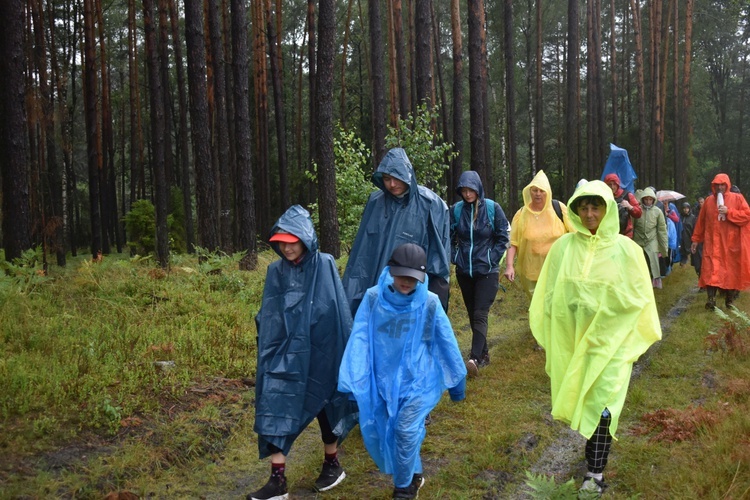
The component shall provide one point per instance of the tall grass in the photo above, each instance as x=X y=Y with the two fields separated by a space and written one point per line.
x=86 y=408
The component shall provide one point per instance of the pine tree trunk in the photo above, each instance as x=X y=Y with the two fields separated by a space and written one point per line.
x=511 y=106
x=377 y=81
x=572 y=167
x=329 y=225
x=16 y=208
x=423 y=51
x=92 y=127
x=640 y=85
x=208 y=236
x=476 y=106
x=458 y=96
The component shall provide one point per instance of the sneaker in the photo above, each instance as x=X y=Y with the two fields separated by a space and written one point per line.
x=330 y=476
x=427 y=420
x=472 y=367
x=711 y=304
x=411 y=491
x=275 y=489
x=484 y=361
x=593 y=485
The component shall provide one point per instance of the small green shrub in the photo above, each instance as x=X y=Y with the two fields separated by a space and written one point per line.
x=140 y=224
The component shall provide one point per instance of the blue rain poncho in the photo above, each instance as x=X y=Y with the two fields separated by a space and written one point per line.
x=420 y=216
x=594 y=313
x=303 y=326
x=401 y=357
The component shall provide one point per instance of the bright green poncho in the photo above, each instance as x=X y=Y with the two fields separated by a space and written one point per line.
x=594 y=313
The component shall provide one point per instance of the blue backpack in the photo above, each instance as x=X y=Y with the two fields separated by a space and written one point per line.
x=488 y=203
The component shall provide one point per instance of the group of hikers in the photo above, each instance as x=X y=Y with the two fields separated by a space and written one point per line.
x=376 y=347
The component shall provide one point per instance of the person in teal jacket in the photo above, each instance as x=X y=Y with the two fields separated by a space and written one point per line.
x=303 y=327
x=594 y=313
x=400 y=211
x=401 y=356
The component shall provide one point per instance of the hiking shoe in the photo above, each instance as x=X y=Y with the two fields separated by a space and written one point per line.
x=472 y=367
x=711 y=304
x=331 y=475
x=484 y=361
x=411 y=491
x=275 y=489
x=593 y=485
x=427 y=420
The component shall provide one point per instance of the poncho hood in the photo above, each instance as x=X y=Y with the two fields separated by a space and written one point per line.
x=470 y=179
x=720 y=179
x=296 y=220
x=540 y=181
x=396 y=164
x=609 y=227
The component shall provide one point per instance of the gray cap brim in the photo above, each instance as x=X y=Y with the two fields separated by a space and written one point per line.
x=407 y=271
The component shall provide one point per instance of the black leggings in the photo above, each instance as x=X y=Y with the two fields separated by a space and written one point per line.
x=325 y=432
x=479 y=293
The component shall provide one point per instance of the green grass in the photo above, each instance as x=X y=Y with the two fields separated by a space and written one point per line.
x=84 y=410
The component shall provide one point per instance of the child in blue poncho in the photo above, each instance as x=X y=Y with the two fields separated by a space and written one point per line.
x=401 y=356
x=303 y=326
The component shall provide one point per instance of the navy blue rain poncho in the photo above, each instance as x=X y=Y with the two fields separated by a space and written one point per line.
x=420 y=216
x=303 y=327
x=401 y=357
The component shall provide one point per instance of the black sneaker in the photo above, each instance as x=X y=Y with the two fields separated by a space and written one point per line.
x=275 y=489
x=330 y=476
x=411 y=491
x=485 y=361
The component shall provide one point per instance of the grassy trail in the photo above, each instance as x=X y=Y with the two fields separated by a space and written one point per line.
x=684 y=432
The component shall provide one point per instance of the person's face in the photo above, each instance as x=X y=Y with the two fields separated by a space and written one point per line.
x=469 y=195
x=538 y=196
x=686 y=210
x=591 y=215
x=701 y=200
x=396 y=187
x=614 y=186
x=647 y=200
x=292 y=251
x=721 y=188
x=404 y=284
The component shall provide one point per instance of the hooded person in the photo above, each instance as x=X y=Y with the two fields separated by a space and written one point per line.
x=401 y=357
x=628 y=205
x=303 y=326
x=535 y=227
x=400 y=211
x=479 y=237
x=724 y=231
x=594 y=313
x=650 y=232
x=688 y=221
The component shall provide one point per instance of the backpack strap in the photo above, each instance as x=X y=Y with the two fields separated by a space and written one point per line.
x=457 y=213
x=558 y=210
x=490 y=205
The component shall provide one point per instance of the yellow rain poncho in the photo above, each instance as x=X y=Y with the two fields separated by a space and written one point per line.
x=533 y=233
x=594 y=314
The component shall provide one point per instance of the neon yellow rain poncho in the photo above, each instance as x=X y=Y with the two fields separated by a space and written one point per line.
x=594 y=313
x=533 y=233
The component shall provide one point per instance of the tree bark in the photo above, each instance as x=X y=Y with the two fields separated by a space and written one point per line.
x=476 y=106
x=260 y=87
x=511 y=105
x=16 y=208
x=244 y=183
x=92 y=127
x=156 y=93
x=404 y=100
x=640 y=85
x=572 y=77
x=423 y=51
x=329 y=224
x=458 y=96
x=377 y=81
x=208 y=236
x=682 y=180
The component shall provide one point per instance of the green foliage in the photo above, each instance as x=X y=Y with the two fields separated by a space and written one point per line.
x=545 y=488
x=140 y=224
x=353 y=186
x=733 y=334
x=428 y=152
x=24 y=274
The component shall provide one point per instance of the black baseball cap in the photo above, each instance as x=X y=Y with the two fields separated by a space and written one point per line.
x=409 y=260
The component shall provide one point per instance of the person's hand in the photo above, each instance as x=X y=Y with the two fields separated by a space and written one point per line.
x=510 y=273
x=626 y=204
x=723 y=209
x=693 y=247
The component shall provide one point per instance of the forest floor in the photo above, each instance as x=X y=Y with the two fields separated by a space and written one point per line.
x=684 y=431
